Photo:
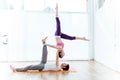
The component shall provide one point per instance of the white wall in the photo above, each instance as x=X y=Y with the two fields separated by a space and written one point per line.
x=107 y=38
x=26 y=29
x=12 y=24
x=39 y=25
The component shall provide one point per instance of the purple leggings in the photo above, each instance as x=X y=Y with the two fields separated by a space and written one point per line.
x=59 y=33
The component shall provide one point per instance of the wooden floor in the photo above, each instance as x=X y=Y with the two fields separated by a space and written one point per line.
x=85 y=70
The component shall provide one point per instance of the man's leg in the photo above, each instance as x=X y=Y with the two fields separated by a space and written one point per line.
x=34 y=67
x=44 y=54
x=38 y=66
x=30 y=67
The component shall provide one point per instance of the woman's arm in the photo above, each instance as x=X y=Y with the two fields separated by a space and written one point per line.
x=52 y=46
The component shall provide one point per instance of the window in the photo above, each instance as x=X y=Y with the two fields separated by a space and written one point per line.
x=73 y=5
x=34 y=5
x=45 y=5
x=3 y=4
x=15 y=4
x=65 y=5
x=100 y=3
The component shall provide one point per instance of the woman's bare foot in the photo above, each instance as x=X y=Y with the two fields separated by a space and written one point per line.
x=85 y=39
x=12 y=68
x=82 y=38
x=56 y=6
x=44 y=39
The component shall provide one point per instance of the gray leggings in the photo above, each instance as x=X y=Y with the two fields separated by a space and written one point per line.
x=37 y=66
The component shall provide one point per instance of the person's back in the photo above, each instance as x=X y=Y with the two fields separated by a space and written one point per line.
x=51 y=66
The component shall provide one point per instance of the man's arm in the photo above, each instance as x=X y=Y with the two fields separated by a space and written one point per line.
x=57 y=59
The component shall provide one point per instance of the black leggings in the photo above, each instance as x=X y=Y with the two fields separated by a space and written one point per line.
x=59 y=33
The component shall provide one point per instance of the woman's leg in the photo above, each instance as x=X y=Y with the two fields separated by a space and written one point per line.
x=65 y=36
x=58 y=28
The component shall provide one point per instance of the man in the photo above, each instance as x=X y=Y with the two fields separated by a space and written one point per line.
x=43 y=66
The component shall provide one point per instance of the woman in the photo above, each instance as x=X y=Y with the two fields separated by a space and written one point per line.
x=59 y=35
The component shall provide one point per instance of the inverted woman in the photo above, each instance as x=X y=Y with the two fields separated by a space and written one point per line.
x=59 y=36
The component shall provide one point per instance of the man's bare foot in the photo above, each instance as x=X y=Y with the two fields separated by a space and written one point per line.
x=44 y=39
x=12 y=68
